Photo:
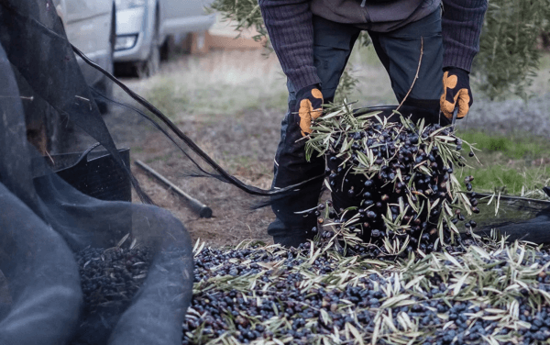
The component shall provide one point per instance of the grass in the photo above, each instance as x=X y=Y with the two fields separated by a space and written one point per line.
x=219 y=83
x=514 y=164
x=513 y=147
x=512 y=181
x=167 y=99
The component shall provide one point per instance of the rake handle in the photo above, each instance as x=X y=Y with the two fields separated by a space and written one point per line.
x=198 y=207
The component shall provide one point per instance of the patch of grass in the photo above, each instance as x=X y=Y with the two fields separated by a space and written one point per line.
x=512 y=181
x=219 y=83
x=514 y=164
x=366 y=56
x=212 y=100
x=514 y=147
x=166 y=98
x=238 y=163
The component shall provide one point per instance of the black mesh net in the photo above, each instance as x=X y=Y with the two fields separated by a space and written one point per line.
x=515 y=217
x=74 y=269
x=80 y=263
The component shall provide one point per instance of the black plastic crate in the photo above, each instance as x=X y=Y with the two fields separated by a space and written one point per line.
x=95 y=173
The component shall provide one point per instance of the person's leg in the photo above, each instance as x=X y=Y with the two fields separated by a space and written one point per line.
x=333 y=43
x=400 y=50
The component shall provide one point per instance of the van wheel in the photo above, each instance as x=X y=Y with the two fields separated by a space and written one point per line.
x=151 y=66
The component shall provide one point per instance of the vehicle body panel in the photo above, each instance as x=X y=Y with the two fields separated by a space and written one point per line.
x=185 y=16
x=140 y=22
x=129 y=21
x=88 y=25
x=174 y=18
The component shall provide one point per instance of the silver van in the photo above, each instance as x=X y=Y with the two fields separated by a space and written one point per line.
x=145 y=26
x=90 y=26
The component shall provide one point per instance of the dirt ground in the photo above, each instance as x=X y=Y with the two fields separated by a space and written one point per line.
x=244 y=141
x=244 y=144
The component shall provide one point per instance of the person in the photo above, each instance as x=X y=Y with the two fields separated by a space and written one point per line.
x=313 y=40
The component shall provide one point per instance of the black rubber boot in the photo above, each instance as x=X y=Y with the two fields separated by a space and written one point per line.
x=288 y=237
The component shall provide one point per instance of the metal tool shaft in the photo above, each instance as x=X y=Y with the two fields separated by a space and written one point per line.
x=201 y=209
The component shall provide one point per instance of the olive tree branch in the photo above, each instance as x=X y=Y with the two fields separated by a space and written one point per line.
x=417 y=72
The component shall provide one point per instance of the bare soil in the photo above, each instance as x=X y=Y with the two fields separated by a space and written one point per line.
x=244 y=144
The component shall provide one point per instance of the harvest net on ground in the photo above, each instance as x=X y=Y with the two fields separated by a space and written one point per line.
x=396 y=265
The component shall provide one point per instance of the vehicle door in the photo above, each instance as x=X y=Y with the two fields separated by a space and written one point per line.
x=87 y=23
x=187 y=8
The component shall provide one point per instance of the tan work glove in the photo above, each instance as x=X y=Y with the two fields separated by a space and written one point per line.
x=456 y=93
x=309 y=106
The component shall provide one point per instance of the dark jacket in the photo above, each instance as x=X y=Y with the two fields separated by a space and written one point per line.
x=290 y=28
x=374 y=14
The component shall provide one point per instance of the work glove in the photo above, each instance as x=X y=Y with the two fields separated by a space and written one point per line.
x=309 y=106
x=456 y=93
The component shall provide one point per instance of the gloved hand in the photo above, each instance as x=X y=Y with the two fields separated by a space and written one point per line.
x=309 y=103
x=456 y=93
